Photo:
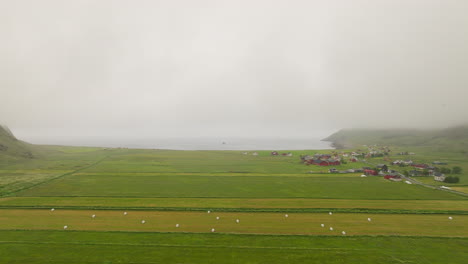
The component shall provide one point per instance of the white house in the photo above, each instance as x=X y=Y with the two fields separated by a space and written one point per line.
x=439 y=176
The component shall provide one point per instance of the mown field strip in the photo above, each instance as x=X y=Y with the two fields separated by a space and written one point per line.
x=179 y=245
x=39 y=246
x=235 y=187
x=250 y=223
x=445 y=205
x=175 y=174
x=461 y=189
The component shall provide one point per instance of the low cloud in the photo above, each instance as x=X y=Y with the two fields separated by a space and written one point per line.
x=231 y=68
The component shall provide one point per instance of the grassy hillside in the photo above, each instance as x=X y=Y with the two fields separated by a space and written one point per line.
x=451 y=139
x=12 y=148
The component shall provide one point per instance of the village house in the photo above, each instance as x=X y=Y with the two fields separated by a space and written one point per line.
x=420 y=166
x=321 y=160
x=382 y=167
x=439 y=176
x=370 y=172
x=391 y=175
x=402 y=162
x=439 y=163
x=328 y=162
x=322 y=156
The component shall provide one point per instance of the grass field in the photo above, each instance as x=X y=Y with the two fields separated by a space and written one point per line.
x=143 y=247
x=409 y=223
x=239 y=203
x=257 y=223
x=234 y=187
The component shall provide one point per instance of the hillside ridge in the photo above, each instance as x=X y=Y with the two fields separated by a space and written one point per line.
x=453 y=138
x=10 y=146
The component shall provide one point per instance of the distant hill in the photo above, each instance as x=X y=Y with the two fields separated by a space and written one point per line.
x=11 y=147
x=451 y=139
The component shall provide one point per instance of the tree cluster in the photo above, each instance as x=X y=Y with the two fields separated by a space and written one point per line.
x=452 y=179
x=454 y=170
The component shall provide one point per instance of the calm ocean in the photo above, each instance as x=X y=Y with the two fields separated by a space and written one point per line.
x=200 y=143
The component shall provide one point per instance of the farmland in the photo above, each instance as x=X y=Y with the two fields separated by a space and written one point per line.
x=256 y=223
x=149 y=247
x=233 y=187
x=166 y=188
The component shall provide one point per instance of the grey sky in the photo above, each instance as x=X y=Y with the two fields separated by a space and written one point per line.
x=230 y=68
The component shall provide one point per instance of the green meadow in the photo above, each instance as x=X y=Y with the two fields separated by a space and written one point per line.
x=234 y=187
x=240 y=204
x=409 y=223
x=31 y=246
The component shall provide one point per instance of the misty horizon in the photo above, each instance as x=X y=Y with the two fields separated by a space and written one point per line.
x=220 y=69
x=191 y=143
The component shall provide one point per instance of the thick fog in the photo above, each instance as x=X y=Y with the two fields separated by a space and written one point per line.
x=217 y=68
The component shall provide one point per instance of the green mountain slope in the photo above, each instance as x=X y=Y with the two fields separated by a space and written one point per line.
x=11 y=147
x=451 y=139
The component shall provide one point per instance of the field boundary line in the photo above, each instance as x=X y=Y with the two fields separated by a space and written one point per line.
x=242 y=234
x=235 y=234
x=243 y=210
x=241 y=197
x=174 y=245
x=55 y=178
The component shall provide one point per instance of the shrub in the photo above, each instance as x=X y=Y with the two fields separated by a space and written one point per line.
x=445 y=170
x=456 y=170
x=452 y=179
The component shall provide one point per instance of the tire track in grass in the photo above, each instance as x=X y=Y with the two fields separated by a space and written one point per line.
x=180 y=245
x=55 y=178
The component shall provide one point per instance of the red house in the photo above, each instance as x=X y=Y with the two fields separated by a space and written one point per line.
x=370 y=172
x=323 y=162
x=421 y=166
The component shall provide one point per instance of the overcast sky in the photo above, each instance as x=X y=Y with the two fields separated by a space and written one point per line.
x=230 y=68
